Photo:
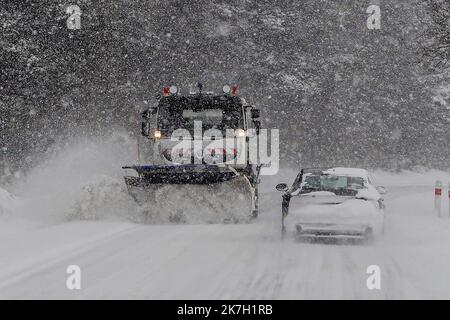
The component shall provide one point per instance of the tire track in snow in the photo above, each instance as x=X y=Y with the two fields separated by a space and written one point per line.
x=102 y=253
x=29 y=267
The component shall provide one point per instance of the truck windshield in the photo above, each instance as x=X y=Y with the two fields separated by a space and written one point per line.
x=219 y=118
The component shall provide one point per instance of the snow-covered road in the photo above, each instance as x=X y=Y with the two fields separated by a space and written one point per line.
x=246 y=261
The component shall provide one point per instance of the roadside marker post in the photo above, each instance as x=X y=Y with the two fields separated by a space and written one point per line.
x=448 y=191
x=438 y=197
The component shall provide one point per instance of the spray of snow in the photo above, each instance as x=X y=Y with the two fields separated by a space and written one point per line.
x=103 y=197
x=227 y=202
x=77 y=180
x=83 y=180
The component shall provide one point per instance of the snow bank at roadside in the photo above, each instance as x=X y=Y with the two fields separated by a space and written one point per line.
x=8 y=203
x=411 y=178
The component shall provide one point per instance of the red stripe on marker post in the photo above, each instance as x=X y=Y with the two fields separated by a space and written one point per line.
x=438 y=197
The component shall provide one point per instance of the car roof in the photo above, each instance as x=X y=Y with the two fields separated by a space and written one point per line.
x=353 y=172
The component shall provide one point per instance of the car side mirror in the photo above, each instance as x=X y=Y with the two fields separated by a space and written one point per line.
x=255 y=113
x=282 y=187
x=381 y=190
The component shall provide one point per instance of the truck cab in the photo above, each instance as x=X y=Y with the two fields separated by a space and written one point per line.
x=201 y=128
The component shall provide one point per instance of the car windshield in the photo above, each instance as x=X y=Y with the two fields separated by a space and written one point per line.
x=343 y=185
x=211 y=117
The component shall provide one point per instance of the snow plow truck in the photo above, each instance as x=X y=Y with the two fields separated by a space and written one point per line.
x=194 y=154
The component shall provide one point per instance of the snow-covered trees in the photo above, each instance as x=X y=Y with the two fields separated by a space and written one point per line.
x=339 y=92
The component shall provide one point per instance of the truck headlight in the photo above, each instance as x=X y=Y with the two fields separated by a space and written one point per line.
x=157 y=134
x=240 y=133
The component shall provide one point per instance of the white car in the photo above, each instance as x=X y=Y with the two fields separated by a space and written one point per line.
x=333 y=203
